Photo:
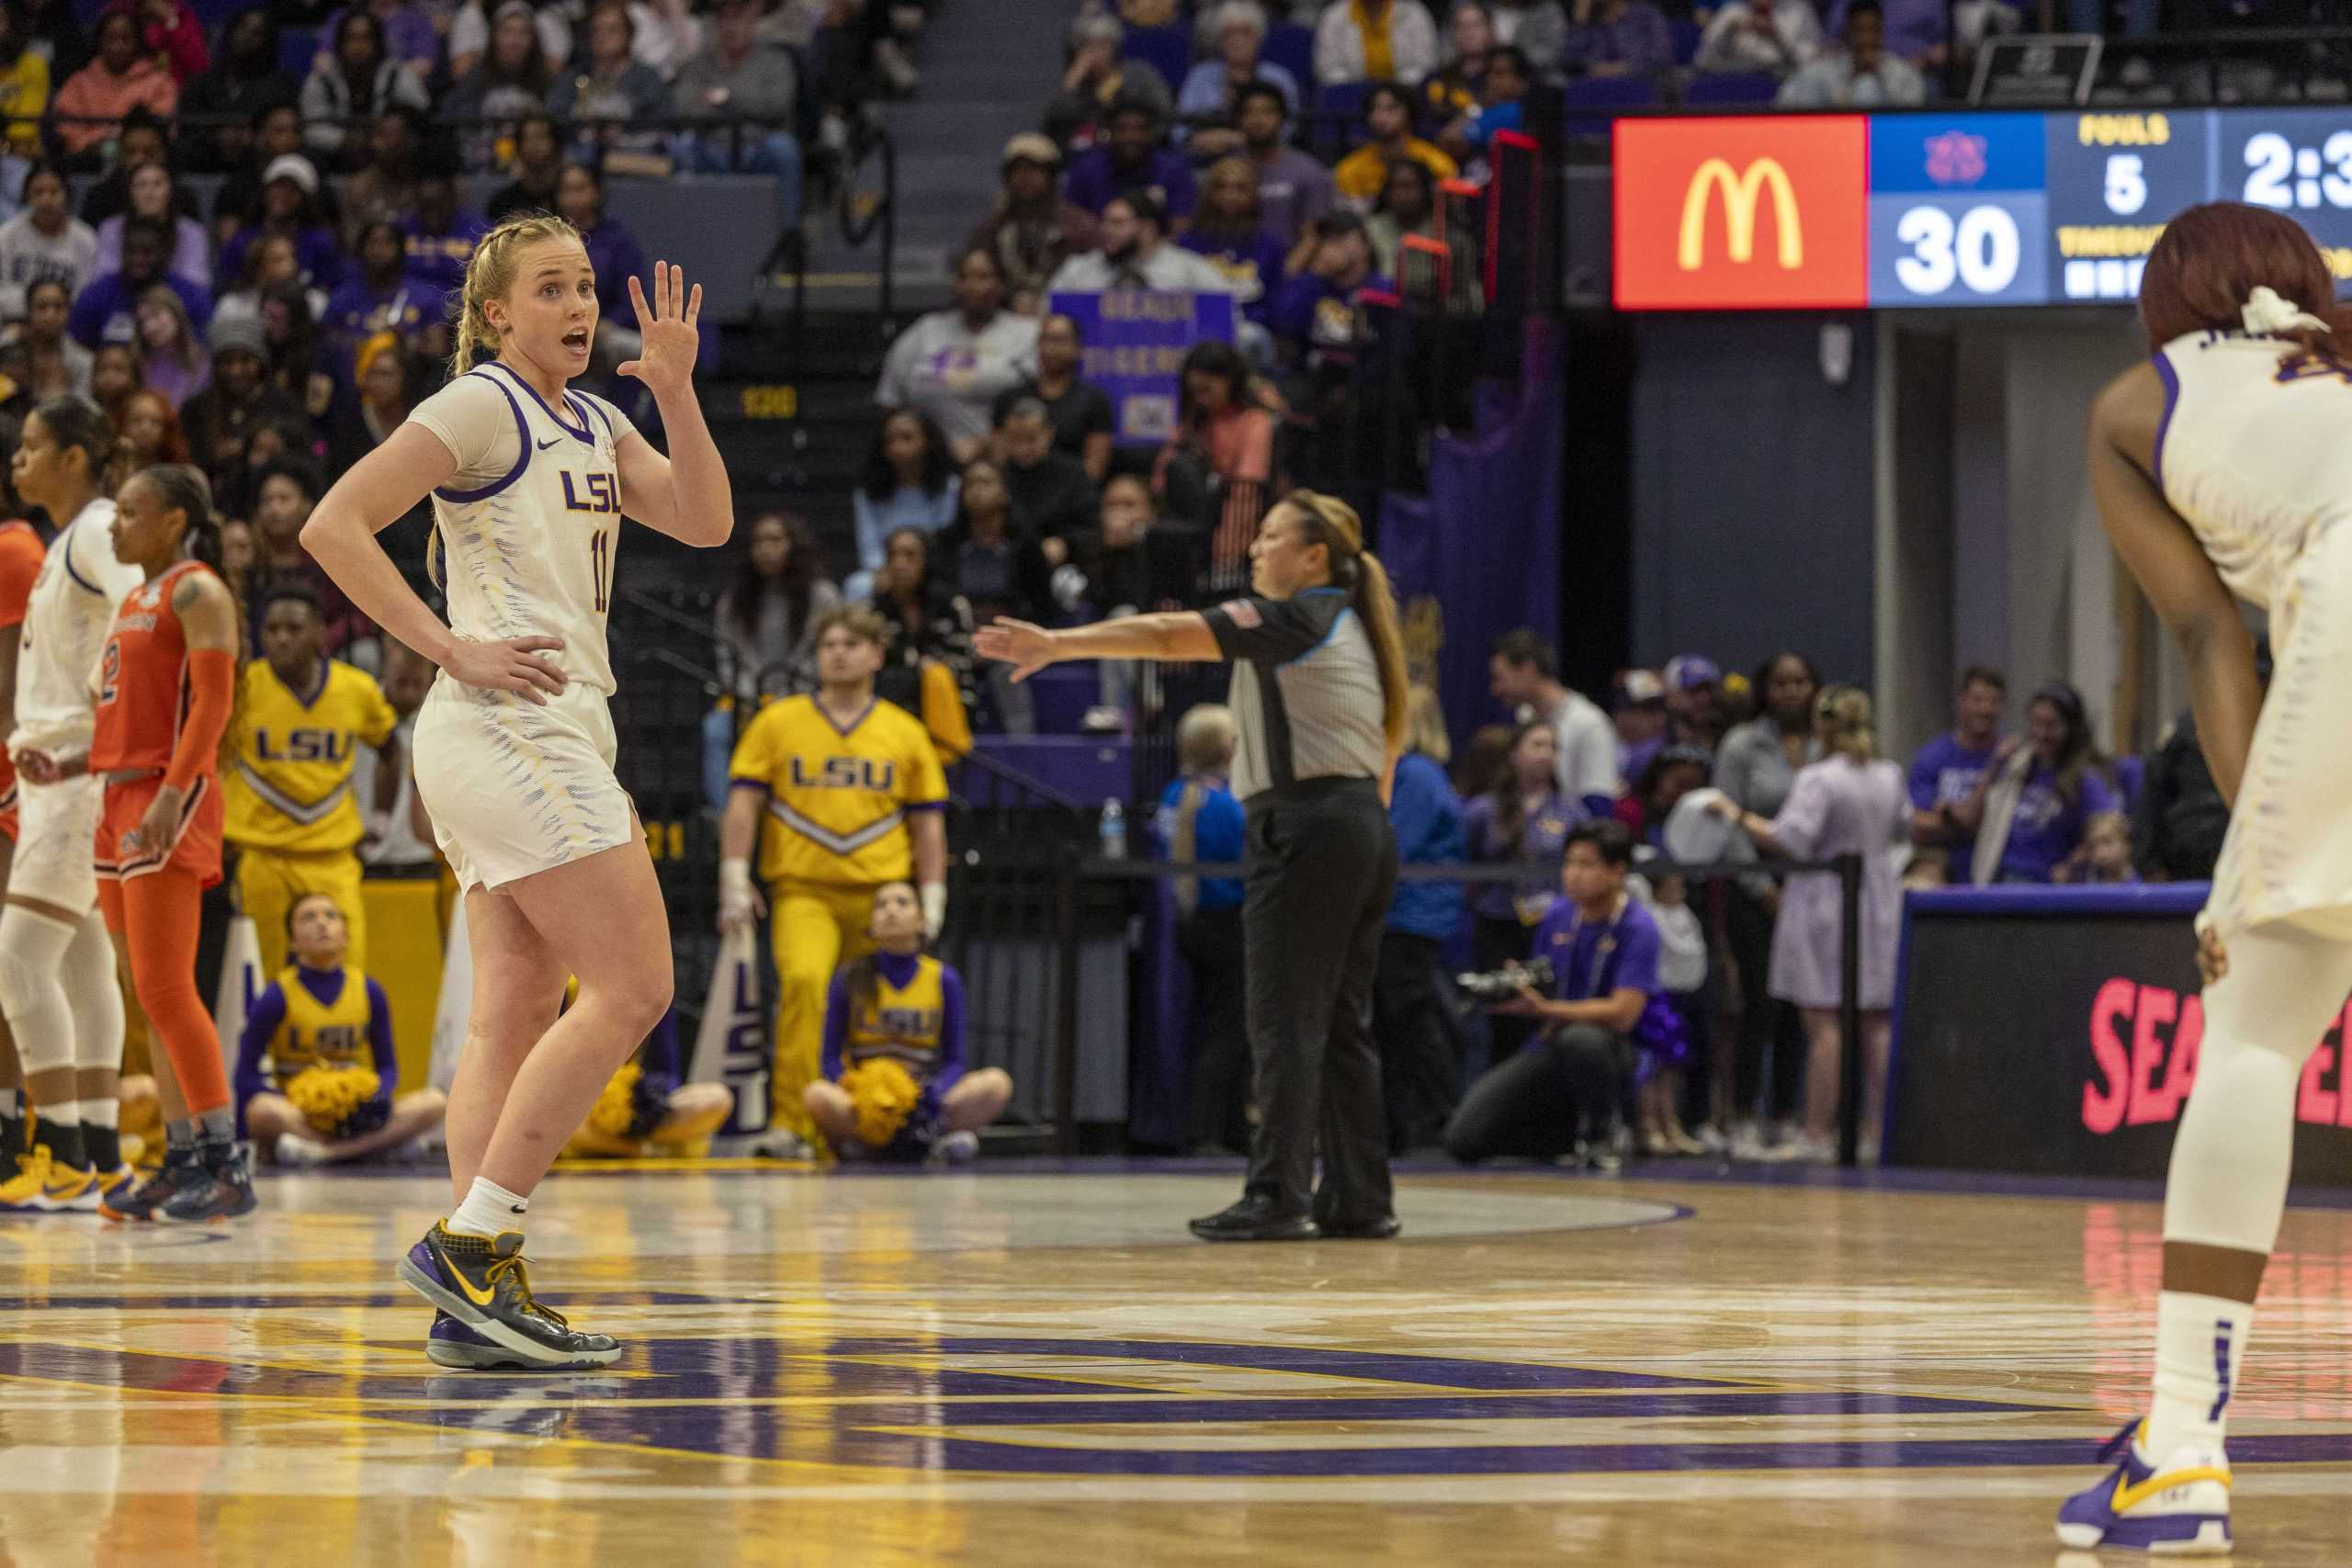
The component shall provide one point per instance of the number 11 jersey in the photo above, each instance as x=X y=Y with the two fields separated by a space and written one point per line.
x=526 y=530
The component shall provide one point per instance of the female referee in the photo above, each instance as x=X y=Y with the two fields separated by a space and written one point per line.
x=1319 y=699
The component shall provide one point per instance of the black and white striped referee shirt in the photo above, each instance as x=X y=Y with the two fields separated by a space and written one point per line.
x=1307 y=697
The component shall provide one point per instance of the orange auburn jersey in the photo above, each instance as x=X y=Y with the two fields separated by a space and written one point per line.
x=21 y=553
x=144 y=691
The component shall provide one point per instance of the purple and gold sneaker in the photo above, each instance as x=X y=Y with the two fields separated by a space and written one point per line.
x=451 y=1343
x=2180 y=1509
x=481 y=1283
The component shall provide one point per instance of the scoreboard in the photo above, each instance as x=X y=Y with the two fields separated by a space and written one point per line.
x=1848 y=212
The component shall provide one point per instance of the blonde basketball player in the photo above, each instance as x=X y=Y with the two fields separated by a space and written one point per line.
x=514 y=746
x=2223 y=468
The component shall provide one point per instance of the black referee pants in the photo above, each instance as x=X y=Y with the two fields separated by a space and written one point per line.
x=1321 y=868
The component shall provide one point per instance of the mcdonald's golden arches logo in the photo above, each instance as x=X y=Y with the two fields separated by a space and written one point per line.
x=1795 y=197
x=1740 y=194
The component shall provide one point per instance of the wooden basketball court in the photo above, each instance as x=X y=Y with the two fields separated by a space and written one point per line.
x=1035 y=1366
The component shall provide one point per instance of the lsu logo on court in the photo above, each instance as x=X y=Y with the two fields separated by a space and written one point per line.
x=1742 y=213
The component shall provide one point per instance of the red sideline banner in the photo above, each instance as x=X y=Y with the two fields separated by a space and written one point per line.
x=2055 y=1032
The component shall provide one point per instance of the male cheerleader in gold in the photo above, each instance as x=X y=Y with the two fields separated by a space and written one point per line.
x=853 y=794
x=300 y=718
x=316 y=1068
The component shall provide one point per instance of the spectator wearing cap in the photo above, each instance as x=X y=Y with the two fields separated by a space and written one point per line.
x=738 y=77
x=289 y=211
x=1317 y=321
x=1084 y=423
x=89 y=107
x=106 y=311
x=1050 y=490
x=218 y=420
x=1136 y=254
x=1524 y=672
x=171 y=31
x=275 y=131
x=952 y=364
x=1211 y=86
x=1360 y=40
x=1861 y=74
x=1131 y=161
x=1637 y=706
x=441 y=234
x=1030 y=228
x=1694 y=700
x=1388 y=124
x=44 y=241
x=1946 y=773
x=154 y=194
x=1095 y=81
x=356 y=81
x=1294 y=190
x=1761 y=36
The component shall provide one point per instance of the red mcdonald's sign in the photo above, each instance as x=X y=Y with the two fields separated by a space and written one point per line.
x=1742 y=212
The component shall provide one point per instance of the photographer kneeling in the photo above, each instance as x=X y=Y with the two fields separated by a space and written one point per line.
x=1568 y=1085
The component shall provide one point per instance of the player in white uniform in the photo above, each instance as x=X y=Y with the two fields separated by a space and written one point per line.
x=2223 y=468
x=57 y=973
x=529 y=481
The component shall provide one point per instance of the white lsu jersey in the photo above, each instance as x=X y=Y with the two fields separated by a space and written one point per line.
x=527 y=527
x=2254 y=453
x=74 y=600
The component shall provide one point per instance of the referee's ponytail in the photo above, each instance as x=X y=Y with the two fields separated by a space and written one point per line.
x=1333 y=523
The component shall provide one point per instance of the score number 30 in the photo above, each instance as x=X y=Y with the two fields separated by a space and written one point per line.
x=1979 y=250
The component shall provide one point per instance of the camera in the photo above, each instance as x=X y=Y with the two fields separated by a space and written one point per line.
x=1501 y=985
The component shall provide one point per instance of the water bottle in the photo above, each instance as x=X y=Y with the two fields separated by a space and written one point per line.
x=1115 y=830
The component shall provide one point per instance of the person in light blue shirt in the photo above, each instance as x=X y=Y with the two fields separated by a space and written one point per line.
x=910 y=482
x=1200 y=822
x=1209 y=86
x=1418 y=1069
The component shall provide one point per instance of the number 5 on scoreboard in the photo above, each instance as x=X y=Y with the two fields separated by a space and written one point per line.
x=600 y=567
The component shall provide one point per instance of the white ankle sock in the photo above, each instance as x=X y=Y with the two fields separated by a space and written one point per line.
x=2200 y=1342
x=489 y=1210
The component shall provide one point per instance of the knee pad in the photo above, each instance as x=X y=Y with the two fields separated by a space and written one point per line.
x=32 y=949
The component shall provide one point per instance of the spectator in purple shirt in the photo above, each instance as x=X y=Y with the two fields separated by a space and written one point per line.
x=379 y=296
x=1617 y=37
x=1228 y=231
x=1566 y=1087
x=1131 y=159
x=1316 y=318
x=103 y=311
x=441 y=235
x=2031 y=808
x=1294 y=189
x=1946 y=772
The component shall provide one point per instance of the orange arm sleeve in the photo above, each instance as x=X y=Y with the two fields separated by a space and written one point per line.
x=212 y=687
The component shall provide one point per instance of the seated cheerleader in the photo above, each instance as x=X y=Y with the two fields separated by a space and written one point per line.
x=326 y=1032
x=894 y=1085
x=645 y=1111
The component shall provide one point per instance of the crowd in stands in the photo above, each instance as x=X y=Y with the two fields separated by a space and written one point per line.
x=1715 y=1026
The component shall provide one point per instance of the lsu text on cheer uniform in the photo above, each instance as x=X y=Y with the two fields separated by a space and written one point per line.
x=526 y=532
x=292 y=811
x=838 y=798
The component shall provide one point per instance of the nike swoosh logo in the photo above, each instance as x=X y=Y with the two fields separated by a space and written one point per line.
x=549 y=442
x=2128 y=1496
x=480 y=1298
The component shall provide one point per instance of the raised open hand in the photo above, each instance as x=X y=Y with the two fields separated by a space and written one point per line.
x=665 y=361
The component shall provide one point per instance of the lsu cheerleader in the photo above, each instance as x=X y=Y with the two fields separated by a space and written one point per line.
x=166 y=682
x=320 y=1035
x=57 y=969
x=514 y=747
x=2223 y=468
x=897 y=1007
x=20 y=558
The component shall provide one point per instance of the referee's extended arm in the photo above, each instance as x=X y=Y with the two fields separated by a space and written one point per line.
x=1170 y=635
